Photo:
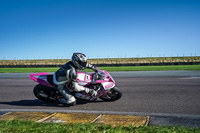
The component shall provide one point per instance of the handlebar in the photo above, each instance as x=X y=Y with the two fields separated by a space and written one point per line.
x=98 y=75
x=94 y=78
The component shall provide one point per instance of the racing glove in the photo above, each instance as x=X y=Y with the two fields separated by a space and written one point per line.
x=93 y=67
x=91 y=92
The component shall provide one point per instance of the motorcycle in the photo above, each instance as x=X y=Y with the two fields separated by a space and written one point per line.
x=101 y=81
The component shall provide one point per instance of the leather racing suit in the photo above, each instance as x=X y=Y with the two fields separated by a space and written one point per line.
x=67 y=74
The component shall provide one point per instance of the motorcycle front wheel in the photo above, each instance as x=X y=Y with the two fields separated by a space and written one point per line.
x=43 y=93
x=113 y=95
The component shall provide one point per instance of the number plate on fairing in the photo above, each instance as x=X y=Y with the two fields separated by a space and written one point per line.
x=83 y=78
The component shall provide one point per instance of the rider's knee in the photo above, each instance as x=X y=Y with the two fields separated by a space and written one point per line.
x=78 y=88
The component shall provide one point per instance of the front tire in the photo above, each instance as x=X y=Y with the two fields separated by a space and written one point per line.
x=113 y=95
x=43 y=93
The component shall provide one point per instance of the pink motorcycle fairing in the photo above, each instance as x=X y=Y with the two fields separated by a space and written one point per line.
x=103 y=77
x=41 y=78
x=83 y=78
x=106 y=79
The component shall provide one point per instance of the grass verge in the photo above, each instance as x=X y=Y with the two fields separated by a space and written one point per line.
x=123 y=68
x=19 y=126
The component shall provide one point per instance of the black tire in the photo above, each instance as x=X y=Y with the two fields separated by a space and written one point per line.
x=113 y=95
x=45 y=90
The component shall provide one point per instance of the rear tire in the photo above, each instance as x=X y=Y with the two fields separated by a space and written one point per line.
x=44 y=90
x=113 y=95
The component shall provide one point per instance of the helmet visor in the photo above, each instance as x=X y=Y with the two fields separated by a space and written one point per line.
x=82 y=63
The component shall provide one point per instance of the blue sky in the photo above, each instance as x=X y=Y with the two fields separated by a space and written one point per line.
x=38 y=29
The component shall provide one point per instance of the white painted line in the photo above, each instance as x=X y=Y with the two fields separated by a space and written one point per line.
x=96 y=118
x=44 y=119
x=190 y=78
x=147 y=122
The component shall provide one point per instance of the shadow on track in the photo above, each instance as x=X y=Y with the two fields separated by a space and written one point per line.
x=37 y=102
x=29 y=103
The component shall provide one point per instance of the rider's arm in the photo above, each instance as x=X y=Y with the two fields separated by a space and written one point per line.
x=72 y=75
x=90 y=66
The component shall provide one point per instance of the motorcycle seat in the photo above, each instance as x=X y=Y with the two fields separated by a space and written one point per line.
x=50 y=79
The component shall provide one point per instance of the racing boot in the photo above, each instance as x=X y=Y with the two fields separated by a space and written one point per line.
x=70 y=99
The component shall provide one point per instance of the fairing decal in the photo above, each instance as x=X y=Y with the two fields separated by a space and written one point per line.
x=108 y=85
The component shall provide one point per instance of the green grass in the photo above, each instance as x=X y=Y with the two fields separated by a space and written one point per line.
x=18 y=126
x=27 y=70
x=152 y=68
x=124 y=68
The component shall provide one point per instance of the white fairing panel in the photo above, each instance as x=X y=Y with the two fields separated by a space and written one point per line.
x=81 y=76
x=108 y=85
x=83 y=79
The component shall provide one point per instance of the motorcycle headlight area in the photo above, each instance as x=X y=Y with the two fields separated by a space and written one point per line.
x=101 y=75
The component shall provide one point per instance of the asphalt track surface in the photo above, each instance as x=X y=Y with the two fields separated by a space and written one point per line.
x=152 y=93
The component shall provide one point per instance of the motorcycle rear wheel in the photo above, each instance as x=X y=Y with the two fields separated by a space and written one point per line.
x=44 y=90
x=113 y=95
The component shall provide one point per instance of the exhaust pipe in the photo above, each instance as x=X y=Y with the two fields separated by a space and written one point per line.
x=43 y=95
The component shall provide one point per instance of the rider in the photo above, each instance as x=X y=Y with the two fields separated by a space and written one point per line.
x=67 y=74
